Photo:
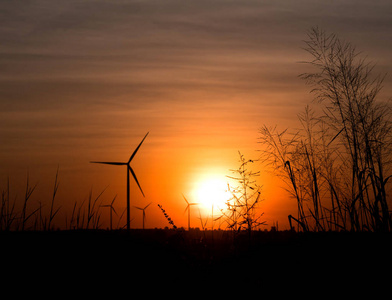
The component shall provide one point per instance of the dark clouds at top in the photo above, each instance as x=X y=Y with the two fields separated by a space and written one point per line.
x=141 y=41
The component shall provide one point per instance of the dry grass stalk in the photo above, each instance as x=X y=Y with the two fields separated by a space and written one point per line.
x=167 y=217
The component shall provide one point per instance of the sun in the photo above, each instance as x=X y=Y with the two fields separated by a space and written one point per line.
x=212 y=192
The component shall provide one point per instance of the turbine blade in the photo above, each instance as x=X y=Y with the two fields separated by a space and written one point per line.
x=185 y=199
x=134 y=176
x=134 y=152
x=147 y=205
x=108 y=163
x=114 y=199
x=114 y=210
x=138 y=207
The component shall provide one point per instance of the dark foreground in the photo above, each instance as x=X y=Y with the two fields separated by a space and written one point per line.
x=178 y=258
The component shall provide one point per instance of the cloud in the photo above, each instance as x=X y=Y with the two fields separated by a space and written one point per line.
x=157 y=61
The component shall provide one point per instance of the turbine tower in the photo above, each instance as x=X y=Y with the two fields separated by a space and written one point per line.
x=111 y=211
x=144 y=211
x=129 y=170
x=188 y=207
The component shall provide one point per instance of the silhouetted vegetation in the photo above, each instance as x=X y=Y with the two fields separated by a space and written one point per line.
x=12 y=217
x=167 y=216
x=337 y=166
x=43 y=215
x=242 y=208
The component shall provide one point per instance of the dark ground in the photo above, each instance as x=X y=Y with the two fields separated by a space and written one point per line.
x=170 y=259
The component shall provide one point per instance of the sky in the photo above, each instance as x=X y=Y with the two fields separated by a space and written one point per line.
x=86 y=80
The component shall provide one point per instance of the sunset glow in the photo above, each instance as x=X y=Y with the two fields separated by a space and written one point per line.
x=212 y=192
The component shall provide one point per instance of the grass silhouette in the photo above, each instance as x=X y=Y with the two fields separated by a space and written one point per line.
x=167 y=216
x=338 y=165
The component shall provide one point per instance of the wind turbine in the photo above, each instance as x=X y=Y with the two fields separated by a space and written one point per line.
x=144 y=211
x=129 y=170
x=188 y=207
x=111 y=210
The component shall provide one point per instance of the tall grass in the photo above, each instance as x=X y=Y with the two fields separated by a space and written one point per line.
x=53 y=212
x=7 y=216
x=338 y=165
x=14 y=218
x=28 y=193
x=25 y=214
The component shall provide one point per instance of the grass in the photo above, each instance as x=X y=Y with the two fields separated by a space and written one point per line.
x=337 y=166
x=27 y=215
x=171 y=222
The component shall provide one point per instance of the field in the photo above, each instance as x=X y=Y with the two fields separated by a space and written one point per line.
x=174 y=257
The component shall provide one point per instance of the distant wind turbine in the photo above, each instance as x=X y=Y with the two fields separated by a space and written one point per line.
x=144 y=211
x=129 y=170
x=188 y=207
x=111 y=210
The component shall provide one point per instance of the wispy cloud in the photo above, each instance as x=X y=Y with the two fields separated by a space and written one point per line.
x=166 y=63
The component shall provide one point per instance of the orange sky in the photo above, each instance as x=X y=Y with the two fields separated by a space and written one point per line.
x=82 y=81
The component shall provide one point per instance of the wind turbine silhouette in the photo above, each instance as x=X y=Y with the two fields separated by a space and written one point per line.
x=111 y=210
x=188 y=207
x=144 y=211
x=129 y=170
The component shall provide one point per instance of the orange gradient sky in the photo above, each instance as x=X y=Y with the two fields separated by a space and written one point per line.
x=86 y=80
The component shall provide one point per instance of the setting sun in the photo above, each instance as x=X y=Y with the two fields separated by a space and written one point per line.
x=212 y=192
